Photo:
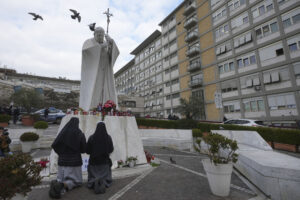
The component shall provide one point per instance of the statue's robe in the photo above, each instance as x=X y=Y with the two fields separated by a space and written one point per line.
x=97 y=77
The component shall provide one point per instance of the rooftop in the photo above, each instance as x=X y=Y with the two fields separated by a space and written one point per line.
x=146 y=42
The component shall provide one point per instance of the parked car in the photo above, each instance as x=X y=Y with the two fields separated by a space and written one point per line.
x=245 y=122
x=55 y=115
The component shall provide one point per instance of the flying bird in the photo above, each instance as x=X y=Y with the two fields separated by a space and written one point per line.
x=75 y=15
x=35 y=16
x=92 y=26
x=172 y=161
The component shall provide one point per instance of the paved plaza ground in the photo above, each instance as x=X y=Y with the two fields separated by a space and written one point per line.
x=185 y=180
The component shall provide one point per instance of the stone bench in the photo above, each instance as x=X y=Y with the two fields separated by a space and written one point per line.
x=276 y=174
x=172 y=138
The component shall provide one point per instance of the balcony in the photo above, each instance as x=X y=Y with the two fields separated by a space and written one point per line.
x=189 y=8
x=191 y=36
x=194 y=66
x=196 y=82
x=192 y=51
x=189 y=23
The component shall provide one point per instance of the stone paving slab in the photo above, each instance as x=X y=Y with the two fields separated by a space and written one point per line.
x=184 y=181
x=81 y=192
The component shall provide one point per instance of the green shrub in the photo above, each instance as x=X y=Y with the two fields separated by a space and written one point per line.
x=40 y=125
x=286 y=136
x=4 y=118
x=197 y=133
x=19 y=173
x=29 y=136
x=218 y=143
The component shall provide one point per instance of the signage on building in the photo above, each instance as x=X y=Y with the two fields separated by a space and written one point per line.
x=218 y=100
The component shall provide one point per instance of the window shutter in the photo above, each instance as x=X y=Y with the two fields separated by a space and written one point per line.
x=271 y=101
x=256 y=81
x=249 y=83
x=275 y=77
x=290 y=99
x=267 y=78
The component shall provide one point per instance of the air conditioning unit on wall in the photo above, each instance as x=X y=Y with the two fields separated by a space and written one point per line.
x=257 y=87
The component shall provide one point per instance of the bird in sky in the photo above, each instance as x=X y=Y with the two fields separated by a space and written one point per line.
x=35 y=16
x=92 y=26
x=172 y=161
x=75 y=15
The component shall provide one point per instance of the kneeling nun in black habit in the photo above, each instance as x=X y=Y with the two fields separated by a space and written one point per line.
x=69 y=144
x=99 y=147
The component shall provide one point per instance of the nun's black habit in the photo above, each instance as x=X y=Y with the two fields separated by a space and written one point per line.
x=69 y=144
x=99 y=146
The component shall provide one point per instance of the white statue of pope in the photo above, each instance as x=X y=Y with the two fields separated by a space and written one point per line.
x=97 y=78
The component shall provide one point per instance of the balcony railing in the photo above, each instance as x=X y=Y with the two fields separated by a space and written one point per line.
x=193 y=51
x=196 y=82
x=189 y=23
x=194 y=66
x=189 y=9
x=191 y=36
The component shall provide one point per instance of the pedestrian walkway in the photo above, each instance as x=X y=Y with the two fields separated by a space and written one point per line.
x=184 y=180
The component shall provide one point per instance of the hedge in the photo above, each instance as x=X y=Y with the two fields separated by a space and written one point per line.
x=29 y=136
x=4 y=118
x=285 y=136
x=40 y=125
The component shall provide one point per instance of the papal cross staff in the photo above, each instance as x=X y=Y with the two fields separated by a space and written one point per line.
x=108 y=15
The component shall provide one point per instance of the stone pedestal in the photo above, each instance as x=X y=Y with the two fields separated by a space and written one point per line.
x=124 y=133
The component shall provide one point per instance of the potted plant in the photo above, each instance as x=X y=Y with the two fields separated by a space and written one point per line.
x=18 y=174
x=131 y=161
x=4 y=119
x=27 y=140
x=221 y=153
x=40 y=127
x=120 y=163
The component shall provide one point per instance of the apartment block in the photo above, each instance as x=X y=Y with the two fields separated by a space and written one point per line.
x=245 y=52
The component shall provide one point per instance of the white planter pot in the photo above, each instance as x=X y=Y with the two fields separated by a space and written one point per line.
x=219 y=177
x=26 y=146
x=131 y=164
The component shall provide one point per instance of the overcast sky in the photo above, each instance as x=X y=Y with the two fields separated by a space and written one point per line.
x=53 y=47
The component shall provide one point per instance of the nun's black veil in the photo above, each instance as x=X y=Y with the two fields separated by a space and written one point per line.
x=101 y=142
x=69 y=136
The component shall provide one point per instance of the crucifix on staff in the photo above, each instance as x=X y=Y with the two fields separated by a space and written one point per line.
x=108 y=15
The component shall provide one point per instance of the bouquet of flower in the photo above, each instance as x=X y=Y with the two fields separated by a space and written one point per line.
x=120 y=163
x=109 y=105
x=43 y=162
x=149 y=156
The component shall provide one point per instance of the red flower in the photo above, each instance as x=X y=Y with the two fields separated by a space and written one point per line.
x=43 y=163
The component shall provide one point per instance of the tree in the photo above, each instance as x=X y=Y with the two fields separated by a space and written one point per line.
x=27 y=98
x=192 y=108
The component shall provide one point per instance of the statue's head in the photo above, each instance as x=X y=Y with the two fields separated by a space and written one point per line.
x=99 y=34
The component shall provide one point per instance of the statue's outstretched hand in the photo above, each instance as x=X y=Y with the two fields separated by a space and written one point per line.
x=108 y=38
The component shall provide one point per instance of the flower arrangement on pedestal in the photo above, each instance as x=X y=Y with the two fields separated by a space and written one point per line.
x=109 y=106
x=120 y=163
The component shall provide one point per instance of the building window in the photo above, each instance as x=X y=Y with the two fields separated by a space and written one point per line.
x=242 y=40
x=229 y=86
x=262 y=8
x=254 y=106
x=246 y=61
x=293 y=47
x=221 y=31
x=282 y=101
x=226 y=67
x=219 y=14
x=233 y=5
x=291 y=18
x=279 y=52
x=266 y=29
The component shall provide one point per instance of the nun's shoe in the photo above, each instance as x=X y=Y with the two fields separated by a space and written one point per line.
x=99 y=187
